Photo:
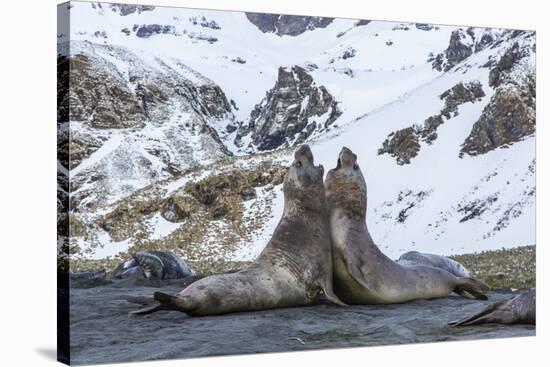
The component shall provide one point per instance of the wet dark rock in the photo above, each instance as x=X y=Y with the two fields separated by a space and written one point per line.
x=111 y=336
x=509 y=117
x=290 y=111
x=287 y=25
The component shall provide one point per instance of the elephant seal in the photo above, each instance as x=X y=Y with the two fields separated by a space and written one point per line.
x=362 y=273
x=153 y=265
x=437 y=261
x=88 y=279
x=521 y=309
x=294 y=267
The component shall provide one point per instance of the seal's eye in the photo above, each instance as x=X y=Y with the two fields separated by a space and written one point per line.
x=298 y=164
x=355 y=167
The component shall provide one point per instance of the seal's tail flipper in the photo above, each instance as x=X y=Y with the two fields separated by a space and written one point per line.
x=471 y=288
x=147 y=309
x=173 y=302
x=488 y=314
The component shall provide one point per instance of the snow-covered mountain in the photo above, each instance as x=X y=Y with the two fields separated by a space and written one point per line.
x=176 y=126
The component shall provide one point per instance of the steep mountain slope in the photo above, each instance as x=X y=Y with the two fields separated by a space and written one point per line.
x=178 y=123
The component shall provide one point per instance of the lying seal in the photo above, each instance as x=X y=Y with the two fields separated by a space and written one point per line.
x=88 y=279
x=521 y=309
x=437 y=261
x=153 y=265
x=362 y=273
x=294 y=267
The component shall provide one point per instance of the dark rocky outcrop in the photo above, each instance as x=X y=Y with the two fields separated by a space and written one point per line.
x=148 y=30
x=287 y=25
x=290 y=112
x=509 y=117
x=127 y=9
x=424 y=26
x=404 y=144
x=459 y=94
x=96 y=96
x=459 y=48
x=362 y=22
x=510 y=58
x=205 y=23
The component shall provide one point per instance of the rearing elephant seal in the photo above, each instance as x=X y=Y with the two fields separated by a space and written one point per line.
x=293 y=268
x=362 y=273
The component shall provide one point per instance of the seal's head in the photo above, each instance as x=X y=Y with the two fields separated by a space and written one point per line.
x=345 y=186
x=303 y=184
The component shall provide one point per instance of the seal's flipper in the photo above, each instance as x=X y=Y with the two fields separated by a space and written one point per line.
x=174 y=302
x=354 y=261
x=488 y=314
x=467 y=287
x=139 y=300
x=154 y=307
x=329 y=294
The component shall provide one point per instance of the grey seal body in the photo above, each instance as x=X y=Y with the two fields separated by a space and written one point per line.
x=437 y=261
x=153 y=265
x=294 y=267
x=362 y=273
x=521 y=309
x=162 y=265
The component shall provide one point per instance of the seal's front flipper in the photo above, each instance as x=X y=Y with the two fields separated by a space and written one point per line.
x=329 y=294
x=354 y=261
x=489 y=314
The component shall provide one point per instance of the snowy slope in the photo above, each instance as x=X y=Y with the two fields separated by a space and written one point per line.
x=383 y=78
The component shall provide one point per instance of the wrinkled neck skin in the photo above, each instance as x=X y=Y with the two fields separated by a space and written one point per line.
x=347 y=205
x=300 y=202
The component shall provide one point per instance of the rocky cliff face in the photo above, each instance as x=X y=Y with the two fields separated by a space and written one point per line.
x=404 y=144
x=136 y=124
x=462 y=44
x=286 y=25
x=509 y=117
x=290 y=112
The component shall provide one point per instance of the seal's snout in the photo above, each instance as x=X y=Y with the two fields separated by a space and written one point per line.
x=346 y=158
x=304 y=152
